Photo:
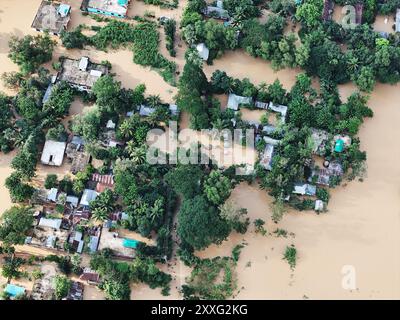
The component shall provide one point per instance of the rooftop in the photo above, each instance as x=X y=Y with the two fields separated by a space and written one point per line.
x=52 y=16
x=53 y=153
x=119 y=7
x=234 y=101
x=88 y=196
x=50 y=223
x=81 y=72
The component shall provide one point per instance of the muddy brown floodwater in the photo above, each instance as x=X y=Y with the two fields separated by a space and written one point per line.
x=360 y=230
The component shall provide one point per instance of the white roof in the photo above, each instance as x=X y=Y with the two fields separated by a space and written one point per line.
x=88 y=196
x=52 y=194
x=96 y=73
x=53 y=153
x=261 y=105
x=234 y=101
x=83 y=63
x=279 y=109
x=50 y=223
x=269 y=140
x=78 y=236
x=203 y=51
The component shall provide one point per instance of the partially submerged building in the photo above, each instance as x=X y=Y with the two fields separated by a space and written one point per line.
x=52 y=17
x=53 y=153
x=234 y=101
x=81 y=74
x=217 y=12
x=305 y=189
x=268 y=153
x=203 y=51
x=278 y=108
x=112 y=8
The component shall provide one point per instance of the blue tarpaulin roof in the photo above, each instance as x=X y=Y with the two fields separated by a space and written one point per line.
x=14 y=290
x=122 y=2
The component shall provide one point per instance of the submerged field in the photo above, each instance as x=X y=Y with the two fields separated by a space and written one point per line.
x=360 y=229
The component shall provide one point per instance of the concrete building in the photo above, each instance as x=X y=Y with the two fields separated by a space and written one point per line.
x=52 y=17
x=81 y=74
x=112 y=8
x=53 y=153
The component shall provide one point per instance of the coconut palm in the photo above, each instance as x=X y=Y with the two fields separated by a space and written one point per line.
x=100 y=214
x=138 y=154
x=127 y=128
x=154 y=101
x=157 y=211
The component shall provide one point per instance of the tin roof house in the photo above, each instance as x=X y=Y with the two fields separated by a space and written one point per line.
x=217 y=12
x=112 y=8
x=87 y=197
x=234 y=101
x=305 y=189
x=52 y=17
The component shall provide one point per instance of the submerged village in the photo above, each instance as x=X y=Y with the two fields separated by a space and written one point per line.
x=91 y=219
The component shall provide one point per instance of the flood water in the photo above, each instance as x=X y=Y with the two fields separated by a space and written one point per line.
x=360 y=230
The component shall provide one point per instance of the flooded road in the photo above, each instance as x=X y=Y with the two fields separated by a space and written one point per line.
x=360 y=230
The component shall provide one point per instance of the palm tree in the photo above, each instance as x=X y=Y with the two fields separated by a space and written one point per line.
x=138 y=154
x=154 y=101
x=127 y=129
x=157 y=211
x=353 y=64
x=100 y=214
